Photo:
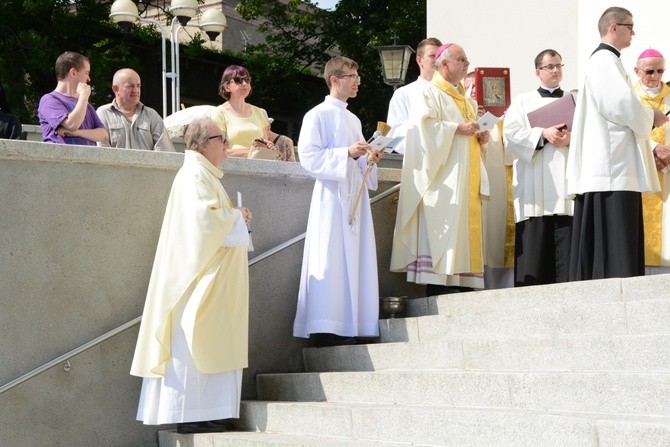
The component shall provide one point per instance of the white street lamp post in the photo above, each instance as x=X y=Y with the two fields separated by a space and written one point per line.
x=183 y=11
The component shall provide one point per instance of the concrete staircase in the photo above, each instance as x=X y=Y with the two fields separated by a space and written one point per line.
x=579 y=364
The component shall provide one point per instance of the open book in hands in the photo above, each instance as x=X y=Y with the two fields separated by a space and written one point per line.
x=382 y=142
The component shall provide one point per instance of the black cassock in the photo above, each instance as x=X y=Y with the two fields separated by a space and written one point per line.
x=607 y=236
x=542 y=250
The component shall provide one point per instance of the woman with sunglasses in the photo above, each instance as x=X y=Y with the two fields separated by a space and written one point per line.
x=246 y=125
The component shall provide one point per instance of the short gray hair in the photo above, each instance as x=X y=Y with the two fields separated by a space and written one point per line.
x=444 y=56
x=197 y=133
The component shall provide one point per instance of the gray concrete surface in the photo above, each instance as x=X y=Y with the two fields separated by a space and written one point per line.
x=78 y=231
x=491 y=368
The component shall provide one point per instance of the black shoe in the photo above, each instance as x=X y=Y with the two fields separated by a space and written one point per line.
x=366 y=340
x=216 y=426
x=322 y=340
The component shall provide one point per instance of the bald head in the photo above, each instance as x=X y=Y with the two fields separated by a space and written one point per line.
x=126 y=86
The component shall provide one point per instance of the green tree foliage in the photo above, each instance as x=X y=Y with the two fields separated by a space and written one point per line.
x=295 y=36
x=304 y=37
x=281 y=64
x=301 y=38
x=35 y=32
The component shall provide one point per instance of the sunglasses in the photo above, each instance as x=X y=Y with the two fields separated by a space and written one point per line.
x=239 y=80
x=651 y=72
x=221 y=138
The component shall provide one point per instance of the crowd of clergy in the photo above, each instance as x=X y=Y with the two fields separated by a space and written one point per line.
x=520 y=204
x=512 y=205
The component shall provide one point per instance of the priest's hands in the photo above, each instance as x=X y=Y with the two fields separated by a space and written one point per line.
x=557 y=135
x=471 y=128
x=358 y=149
x=659 y=118
x=246 y=214
x=468 y=128
x=484 y=137
x=661 y=156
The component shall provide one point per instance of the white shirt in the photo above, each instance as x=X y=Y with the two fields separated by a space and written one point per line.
x=539 y=175
x=403 y=100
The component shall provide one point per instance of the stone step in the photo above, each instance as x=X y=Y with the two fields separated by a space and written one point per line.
x=441 y=426
x=605 y=393
x=521 y=298
x=650 y=316
x=170 y=438
x=632 y=353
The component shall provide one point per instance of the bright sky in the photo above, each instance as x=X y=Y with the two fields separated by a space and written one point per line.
x=326 y=4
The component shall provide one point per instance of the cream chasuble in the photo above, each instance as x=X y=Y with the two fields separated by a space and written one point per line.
x=193 y=266
x=656 y=206
x=439 y=222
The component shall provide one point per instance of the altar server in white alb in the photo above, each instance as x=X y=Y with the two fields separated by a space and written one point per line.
x=610 y=162
x=438 y=230
x=339 y=294
x=404 y=97
x=542 y=210
x=192 y=343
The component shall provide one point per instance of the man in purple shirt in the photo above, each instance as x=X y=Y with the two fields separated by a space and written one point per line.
x=65 y=115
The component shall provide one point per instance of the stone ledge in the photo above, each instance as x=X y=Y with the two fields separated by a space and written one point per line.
x=61 y=153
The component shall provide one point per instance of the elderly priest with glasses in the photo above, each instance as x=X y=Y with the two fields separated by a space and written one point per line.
x=192 y=343
x=655 y=94
x=438 y=237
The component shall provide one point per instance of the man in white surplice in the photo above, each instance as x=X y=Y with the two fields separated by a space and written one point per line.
x=192 y=343
x=403 y=98
x=339 y=293
x=542 y=210
x=610 y=162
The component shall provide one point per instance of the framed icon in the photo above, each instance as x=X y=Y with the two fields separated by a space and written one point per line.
x=493 y=89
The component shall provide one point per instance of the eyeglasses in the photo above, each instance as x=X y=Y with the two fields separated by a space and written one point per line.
x=651 y=71
x=239 y=80
x=220 y=137
x=629 y=25
x=551 y=67
x=355 y=77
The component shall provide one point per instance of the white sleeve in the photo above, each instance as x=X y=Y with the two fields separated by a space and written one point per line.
x=239 y=234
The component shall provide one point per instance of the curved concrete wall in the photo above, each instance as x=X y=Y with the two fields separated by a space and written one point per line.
x=78 y=231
